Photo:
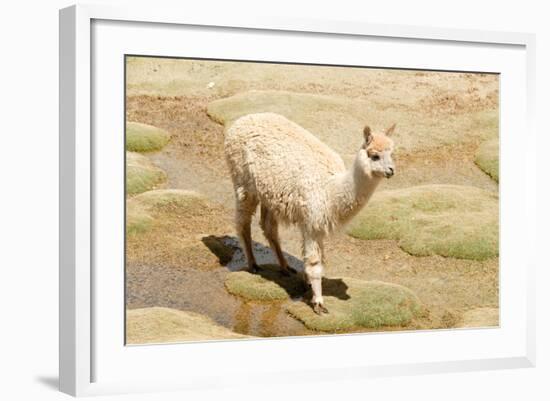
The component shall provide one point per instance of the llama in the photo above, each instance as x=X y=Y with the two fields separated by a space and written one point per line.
x=299 y=180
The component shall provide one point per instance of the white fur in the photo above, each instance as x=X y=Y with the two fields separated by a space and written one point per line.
x=298 y=180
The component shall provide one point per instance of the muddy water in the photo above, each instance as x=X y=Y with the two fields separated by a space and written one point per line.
x=203 y=291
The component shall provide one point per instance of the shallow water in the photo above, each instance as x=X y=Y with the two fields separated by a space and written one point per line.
x=203 y=291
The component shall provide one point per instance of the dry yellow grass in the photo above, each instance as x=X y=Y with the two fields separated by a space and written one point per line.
x=431 y=109
x=487 y=158
x=384 y=87
x=189 y=202
x=480 y=317
x=447 y=220
x=339 y=121
x=165 y=325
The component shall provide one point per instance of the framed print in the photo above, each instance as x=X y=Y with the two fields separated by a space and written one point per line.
x=236 y=194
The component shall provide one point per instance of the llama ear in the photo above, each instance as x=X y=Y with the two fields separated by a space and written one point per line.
x=390 y=130
x=368 y=135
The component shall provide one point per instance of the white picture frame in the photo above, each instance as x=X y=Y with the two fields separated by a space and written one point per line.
x=81 y=342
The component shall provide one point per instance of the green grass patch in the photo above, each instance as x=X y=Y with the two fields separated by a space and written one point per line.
x=364 y=304
x=352 y=303
x=178 y=201
x=447 y=220
x=142 y=209
x=267 y=285
x=338 y=120
x=323 y=115
x=141 y=174
x=145 y=138
x=487 y=158
x=165 y=325
x=138 y=220
x=177 y=228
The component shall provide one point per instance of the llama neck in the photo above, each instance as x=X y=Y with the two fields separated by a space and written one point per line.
x=351 y=191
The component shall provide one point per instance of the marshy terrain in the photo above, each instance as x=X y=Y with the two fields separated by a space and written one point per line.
x=423 y=254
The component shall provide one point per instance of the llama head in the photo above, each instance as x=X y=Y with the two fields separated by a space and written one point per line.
x=375 y=156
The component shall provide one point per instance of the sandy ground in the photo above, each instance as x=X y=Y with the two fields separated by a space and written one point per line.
x=442 y=118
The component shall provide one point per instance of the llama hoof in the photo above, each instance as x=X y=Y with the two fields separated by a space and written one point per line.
x=254 y=268
x=319 y=309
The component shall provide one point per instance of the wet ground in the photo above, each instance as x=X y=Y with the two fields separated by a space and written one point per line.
x=447 y=287
x=203 y=291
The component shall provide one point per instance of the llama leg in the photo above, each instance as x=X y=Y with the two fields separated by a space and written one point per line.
x=313 y=266
x=271 y=231
x=246 y=207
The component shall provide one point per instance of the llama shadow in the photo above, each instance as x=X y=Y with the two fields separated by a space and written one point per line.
x=229 y=253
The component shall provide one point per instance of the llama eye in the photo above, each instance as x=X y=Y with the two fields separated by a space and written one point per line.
x=375 y=158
